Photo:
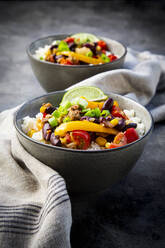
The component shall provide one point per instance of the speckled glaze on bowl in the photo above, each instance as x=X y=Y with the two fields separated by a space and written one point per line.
x=85 y=172
x=54 y=77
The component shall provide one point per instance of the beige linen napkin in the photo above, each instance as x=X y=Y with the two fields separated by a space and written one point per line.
x=35 y=208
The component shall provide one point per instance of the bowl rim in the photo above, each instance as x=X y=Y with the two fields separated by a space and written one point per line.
x=73 y=66
x=76 y=150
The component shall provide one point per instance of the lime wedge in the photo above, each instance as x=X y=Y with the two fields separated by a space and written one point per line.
x=89 y=92
x=85 y=37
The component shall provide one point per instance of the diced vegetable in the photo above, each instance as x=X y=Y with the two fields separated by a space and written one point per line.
x=117 y=112
x=63 y=46
x=131 y=135
x=82 y=139
x=105 y=113
x=101 y=141
x=93 y=113
x=53 y=121
x=105 y=58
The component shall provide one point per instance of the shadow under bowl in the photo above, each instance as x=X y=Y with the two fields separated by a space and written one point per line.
x=54 y=76
x=85 y=172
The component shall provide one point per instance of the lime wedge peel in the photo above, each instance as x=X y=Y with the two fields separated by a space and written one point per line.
x=85 y=37
x=89 y=92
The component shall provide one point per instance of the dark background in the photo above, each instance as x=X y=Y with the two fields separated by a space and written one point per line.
x=132 y=213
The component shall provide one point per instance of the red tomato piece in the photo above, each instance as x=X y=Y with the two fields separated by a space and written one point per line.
x=103 y=51
x=112 y=57
x=131 y=135
x=68 y=62
x=117 y=112
x=68 y=138
x=44 y=115
x=119 y=140
x=69 y=39
x=102 y=44
x=82 y=138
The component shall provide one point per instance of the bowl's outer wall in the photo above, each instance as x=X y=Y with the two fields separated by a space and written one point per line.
x=56 y=77
x=85 y=172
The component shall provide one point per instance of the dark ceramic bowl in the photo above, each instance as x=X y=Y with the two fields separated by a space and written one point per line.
x=58 y=77
x=85 y=172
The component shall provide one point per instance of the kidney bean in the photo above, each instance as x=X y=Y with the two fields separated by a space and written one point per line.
x=53 y=46
x=92 y=47
x=134 y=125
x=108 y=104
x=50 y=110
x=72 y=46
x=121 y=125
x=55 y=140
x=46 y=131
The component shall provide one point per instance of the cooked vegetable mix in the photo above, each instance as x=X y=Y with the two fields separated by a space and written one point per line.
x=84 y=124
x=78 y=49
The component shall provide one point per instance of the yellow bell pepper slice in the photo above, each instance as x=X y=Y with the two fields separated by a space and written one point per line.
x=83 y=58
x=83 y=125
x=93 y=105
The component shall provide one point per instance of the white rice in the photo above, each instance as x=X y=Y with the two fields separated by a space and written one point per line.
x=133 y=118
x=40 y=53
x=28 y=124
x=94 y=146
x=38 y=136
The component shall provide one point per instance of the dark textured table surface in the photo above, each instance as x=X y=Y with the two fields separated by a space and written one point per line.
x=132 y=213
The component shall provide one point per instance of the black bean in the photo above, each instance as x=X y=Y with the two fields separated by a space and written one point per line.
x=50 y=110
x=110 y=138
x=53 y=46
x=121 y=125
x=55 y=140
x=92 y=47
x=130 y=125
x=46 y=131
x=108 y=104
x=72 y=46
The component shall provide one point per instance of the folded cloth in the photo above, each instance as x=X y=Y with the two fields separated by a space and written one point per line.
x=35 y=209
x=138 y=80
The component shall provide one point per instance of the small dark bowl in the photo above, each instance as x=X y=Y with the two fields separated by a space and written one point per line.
x=58 y=77
x=85 y=172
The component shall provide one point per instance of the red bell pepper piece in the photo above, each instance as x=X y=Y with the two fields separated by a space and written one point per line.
x=119 y=140
x=131 y=135
x=112 y=57
x=44 y=114
x=82 y=138
x=102 y=44
x=68 y=138
x=69 y=39
x=117 y=112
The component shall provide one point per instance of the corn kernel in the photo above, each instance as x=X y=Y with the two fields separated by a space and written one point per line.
x=98 y=48
x=63 y=140
x=31 y=132
x=48 y=53
x=101 y=141
x=39 y=124
x=116 y=103
x=107 y=145
x=42 y=109
x=114 y=122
